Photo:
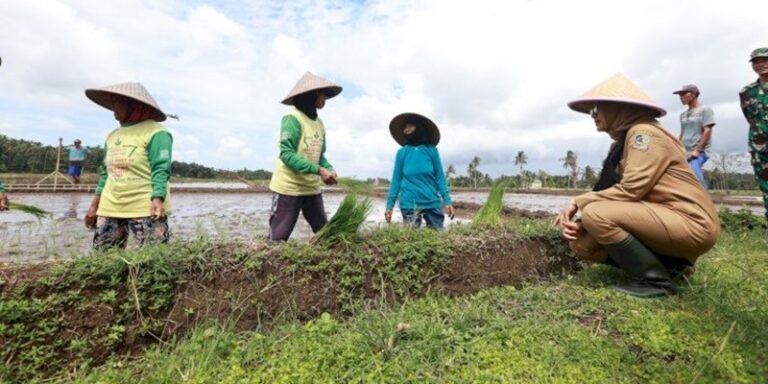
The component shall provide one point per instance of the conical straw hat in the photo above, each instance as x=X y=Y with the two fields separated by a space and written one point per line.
x=135 y=91
x=310 y=82
x=399 y=121
x=618 y=89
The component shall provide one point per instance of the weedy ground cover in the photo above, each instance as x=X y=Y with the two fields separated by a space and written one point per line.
x=70 y=317
x=395 y=305
x=571 y=330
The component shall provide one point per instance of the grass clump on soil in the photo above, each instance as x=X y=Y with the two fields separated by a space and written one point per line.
x=489 y=214
x=572 y=330
x=32 y=210
x=740 y=220
x=79 y=312
x=72 y=317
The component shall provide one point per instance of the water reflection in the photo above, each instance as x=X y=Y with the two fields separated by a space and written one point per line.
x=71 y=212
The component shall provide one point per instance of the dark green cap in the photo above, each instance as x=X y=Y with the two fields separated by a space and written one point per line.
x=760 y=52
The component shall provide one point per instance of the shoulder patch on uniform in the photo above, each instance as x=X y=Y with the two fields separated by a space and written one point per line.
x=641 y=141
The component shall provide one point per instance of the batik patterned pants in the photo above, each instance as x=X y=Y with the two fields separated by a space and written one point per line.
x=113 y=232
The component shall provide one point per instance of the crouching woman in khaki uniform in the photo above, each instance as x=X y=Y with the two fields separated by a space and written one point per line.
x=647 y=214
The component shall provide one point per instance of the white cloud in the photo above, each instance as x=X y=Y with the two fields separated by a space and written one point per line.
x=233 y=148
x=494 y=75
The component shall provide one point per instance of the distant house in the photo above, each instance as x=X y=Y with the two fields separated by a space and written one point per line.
x=535 y=184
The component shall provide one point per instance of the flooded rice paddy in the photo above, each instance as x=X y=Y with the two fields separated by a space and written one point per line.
x=213 y=215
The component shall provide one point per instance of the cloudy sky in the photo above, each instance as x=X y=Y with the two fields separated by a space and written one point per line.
x=494 y=75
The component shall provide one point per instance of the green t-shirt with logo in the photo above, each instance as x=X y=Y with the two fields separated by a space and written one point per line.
x=302 y=153
x=137 y=168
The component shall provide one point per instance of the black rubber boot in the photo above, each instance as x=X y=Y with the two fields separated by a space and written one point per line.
x=677 y=267
x=610 y=262
x=652 y=279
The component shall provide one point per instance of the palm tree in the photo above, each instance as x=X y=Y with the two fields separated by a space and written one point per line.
x=590 y=176
x=544 y=177
x=571 y=162
x=473 y=173
x=521 y=160
x=450 y=173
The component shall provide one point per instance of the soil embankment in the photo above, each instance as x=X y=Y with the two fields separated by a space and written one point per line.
x=56 y=317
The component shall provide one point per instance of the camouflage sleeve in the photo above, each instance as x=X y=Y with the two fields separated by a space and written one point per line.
x=744 y=104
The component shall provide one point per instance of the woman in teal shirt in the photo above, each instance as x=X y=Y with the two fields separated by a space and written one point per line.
x=3 y=198
x=418 y=179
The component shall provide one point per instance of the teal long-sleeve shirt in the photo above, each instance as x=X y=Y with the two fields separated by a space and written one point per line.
x=418 y=179
x=290 y=135
x=2 y=187
x=160 y=166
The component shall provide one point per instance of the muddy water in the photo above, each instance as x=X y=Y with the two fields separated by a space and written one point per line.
x=212 y=215
x=225 y=216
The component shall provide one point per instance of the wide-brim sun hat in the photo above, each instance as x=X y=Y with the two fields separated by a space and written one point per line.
x=311 y=82
x=398 y=123
x=617 y=89
x=134 y=91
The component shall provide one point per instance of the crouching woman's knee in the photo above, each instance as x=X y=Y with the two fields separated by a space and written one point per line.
x=587 y=249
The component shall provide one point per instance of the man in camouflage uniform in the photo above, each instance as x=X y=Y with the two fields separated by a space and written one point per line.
x=754 y=104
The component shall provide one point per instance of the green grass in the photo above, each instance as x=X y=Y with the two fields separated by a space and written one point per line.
x=572 y=330
x=354 y=185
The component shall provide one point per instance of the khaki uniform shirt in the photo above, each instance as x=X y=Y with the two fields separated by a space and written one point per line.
x=653 y=169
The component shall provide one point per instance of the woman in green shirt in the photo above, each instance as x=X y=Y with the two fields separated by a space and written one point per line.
x=301 y=165
x=132 y=195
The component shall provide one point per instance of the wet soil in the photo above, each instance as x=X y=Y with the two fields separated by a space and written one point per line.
x=468 y=210
x=235 y=215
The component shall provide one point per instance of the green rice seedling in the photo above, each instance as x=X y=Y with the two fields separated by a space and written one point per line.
x=354 y=185
x=489 y=214
x=346 y=221
x=32 y=210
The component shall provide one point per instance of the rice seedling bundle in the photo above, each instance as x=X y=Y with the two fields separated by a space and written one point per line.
x=489 y=214
x=32 y=210
x=346 y=221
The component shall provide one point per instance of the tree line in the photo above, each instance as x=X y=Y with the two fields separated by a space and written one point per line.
x=723 y=176
x=25 y=156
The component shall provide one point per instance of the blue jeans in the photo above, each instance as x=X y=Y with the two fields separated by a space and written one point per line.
x=696 y=165
x=434 y=217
